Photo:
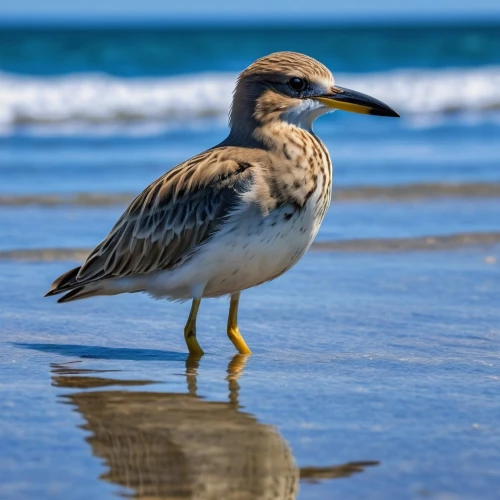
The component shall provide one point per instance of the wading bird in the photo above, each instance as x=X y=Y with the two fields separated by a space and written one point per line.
x=237 y=215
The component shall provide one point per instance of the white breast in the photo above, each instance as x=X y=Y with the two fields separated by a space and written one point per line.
x=250 y=249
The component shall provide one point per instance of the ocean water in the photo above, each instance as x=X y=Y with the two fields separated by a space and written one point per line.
x=80 y=103
x=374 y=374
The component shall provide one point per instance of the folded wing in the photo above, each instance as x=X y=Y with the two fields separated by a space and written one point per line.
x=171 y=218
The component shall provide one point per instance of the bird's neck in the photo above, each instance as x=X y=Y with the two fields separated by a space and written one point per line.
x=261 y=118
x=271 y=135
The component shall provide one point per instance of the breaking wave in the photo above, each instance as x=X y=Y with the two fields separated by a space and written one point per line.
x=102 y=99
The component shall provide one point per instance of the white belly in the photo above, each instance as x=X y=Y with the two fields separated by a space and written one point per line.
x=249 y=250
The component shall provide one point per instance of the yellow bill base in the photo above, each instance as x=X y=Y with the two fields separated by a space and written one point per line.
x=345 y=106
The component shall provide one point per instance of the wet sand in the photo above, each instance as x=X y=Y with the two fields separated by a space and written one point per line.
x=373 y=376
x=408 y=244
x=410 y=192
x=154 y=445
x=374 y=373
x=368 y=245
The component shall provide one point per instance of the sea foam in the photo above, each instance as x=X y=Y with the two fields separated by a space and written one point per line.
x=103 y=99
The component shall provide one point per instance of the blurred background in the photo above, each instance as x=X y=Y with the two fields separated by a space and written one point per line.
x=103 y=97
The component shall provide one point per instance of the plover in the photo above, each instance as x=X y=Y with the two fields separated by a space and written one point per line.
x=237 y=215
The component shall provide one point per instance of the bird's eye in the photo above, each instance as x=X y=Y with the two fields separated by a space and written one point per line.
x=297 y=83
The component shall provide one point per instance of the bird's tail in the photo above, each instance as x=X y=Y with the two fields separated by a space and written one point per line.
x=67 y=282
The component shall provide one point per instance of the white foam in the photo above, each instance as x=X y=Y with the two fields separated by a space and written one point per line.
x=103 y=99
x=100 y=99
x=433 y=91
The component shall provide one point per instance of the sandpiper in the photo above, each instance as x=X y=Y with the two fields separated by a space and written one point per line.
x=237 y=215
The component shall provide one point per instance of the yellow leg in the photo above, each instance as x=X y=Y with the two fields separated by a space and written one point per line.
x=233 y=331
x=190 y=330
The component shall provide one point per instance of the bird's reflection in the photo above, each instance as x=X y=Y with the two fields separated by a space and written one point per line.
x=179 y=446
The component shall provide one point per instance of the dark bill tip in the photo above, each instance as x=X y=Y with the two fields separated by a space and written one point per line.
x=384 y=112
x=356 y=102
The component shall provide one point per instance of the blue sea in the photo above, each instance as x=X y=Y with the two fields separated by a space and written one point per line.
x=375 y=373
x=111 y=109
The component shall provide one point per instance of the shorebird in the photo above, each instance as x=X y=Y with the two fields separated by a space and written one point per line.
x=237 y=215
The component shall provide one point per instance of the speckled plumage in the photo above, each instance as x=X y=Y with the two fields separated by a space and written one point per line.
x=280 y=183
x=235 y=216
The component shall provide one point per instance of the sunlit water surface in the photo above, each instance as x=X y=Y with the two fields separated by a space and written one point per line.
x=362 y=384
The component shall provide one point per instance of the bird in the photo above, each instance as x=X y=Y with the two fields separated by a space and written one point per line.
x=237 y=215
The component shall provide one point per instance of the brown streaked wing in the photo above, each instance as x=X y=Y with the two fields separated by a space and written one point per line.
x=170 y=218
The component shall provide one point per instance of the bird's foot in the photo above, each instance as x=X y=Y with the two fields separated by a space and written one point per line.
x=238 y=341
x=192 y=343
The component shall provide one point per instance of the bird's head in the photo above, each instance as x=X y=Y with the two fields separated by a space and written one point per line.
x=297 y=89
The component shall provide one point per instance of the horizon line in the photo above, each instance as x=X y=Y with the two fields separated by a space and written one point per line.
x=213 y=21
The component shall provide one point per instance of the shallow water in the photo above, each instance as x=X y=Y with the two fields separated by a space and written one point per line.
x=357 y=362
x=26 y=227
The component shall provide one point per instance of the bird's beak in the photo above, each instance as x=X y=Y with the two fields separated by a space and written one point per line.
x=356 y=102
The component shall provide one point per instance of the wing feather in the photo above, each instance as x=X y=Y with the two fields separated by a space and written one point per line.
x=170 y=218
